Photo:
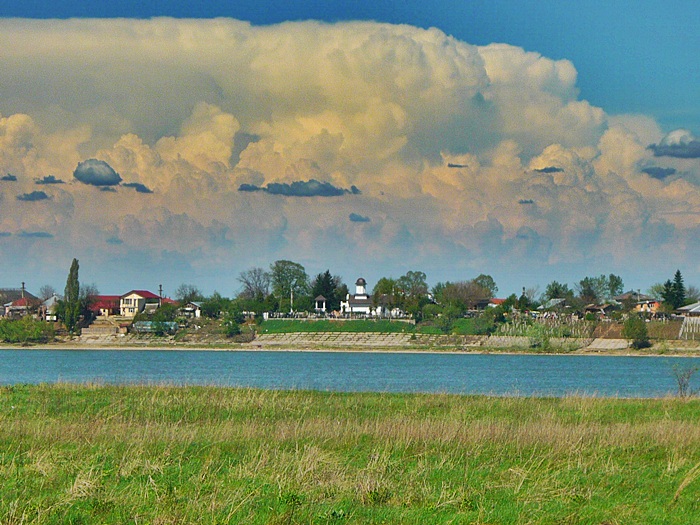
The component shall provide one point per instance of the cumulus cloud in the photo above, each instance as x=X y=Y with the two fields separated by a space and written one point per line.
x=355 y=217
x=680 y=143
x=9 y=177
x=49 y=179
x=484 y=155
x=140 y=188
x=311 y=188
x=33 y=196
x=96 y=173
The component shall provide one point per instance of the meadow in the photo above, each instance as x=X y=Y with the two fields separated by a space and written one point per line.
x=175 y=454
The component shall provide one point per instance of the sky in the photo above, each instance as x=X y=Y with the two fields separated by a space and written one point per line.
x=170 y=142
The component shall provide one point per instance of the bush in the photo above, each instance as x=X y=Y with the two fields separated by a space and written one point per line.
x=635 y=329
x=25 y=330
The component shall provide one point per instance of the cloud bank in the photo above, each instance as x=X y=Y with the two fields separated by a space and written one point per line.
x=484 y=156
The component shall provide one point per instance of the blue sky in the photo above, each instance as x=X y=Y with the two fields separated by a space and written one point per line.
x=529 y=140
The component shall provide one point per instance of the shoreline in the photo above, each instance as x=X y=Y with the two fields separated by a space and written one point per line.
x=252 y=347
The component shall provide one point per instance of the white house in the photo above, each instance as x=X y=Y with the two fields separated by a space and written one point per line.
x=358 y=303
x=134 y=302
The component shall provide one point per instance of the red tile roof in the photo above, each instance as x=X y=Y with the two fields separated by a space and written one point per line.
x=105 y=302
x=143 y=293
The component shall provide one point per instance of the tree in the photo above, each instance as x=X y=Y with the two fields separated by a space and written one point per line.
x=615 y=285
x=46 y=292
x=601 y=288
x=385 y=293
x=656 y=291
x=678 y=289
x=87 y=299
x=256 y=284
x=557 y=290
x=214 y=305
x=326 y=285
x=186 y=293
x=413 y=284
x=591 y=289
x=692 y=294
x=413 y=292
x=635 y=329
x=465 y=294
x=487 y=283
x=674 y=292
x=288 y=279
x=71 y=310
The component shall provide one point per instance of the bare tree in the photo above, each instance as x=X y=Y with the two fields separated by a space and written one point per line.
x=683 y=376
x=532 y=293
x=186 y=293
x=46 y=291
x=256 y=283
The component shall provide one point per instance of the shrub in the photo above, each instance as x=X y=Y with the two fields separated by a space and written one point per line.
x=25 y=330
x=635 y=329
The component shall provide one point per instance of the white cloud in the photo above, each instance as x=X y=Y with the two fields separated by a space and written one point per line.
x=484 y=155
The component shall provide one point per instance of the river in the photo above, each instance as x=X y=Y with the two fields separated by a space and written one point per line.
x=493 y=374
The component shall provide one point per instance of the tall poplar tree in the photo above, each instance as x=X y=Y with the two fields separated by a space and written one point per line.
x=72 y=298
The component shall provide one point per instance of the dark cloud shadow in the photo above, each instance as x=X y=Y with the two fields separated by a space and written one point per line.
x=33 y=196
x=96 y=173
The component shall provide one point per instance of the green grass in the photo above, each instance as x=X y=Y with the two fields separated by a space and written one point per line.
x=160 y=455
x=282 y=326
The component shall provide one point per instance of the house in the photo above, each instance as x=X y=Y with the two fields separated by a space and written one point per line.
x=632 y=296
x=599 y=310
x=137 y=301
x=691 y=310
x=358 y=303
x=19 y=307
x=16 y=302
x=193 y=309
x=48 y=308
x=648 y=306
x=105 y=305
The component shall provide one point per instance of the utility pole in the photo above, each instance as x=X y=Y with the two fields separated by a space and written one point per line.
x=160 y=295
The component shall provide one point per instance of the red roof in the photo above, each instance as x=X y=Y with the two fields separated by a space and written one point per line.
x=104 y=302
x=24 y=301
x=168 y=300
x=143 y=293
x=497 y=301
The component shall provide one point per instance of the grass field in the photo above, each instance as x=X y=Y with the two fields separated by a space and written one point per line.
x=162 y=455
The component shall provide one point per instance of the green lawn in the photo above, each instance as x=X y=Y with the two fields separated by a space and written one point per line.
x=161 y=455
x=281 y=326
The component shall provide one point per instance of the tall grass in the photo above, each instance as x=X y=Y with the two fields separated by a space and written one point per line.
x=98 y=454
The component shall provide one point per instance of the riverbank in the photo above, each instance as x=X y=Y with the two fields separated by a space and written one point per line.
x=124 y=454
x=366 y=342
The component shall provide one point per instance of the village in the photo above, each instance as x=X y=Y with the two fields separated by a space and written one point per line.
x=285 y=293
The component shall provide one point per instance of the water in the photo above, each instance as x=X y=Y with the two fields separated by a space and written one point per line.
x=496 y=374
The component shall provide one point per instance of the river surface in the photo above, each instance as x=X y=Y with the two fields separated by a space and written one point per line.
x=495 y=374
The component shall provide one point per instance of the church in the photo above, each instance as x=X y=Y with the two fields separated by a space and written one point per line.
x=358 y=303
